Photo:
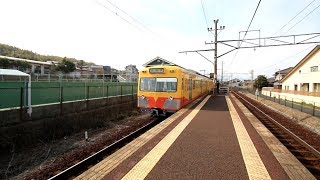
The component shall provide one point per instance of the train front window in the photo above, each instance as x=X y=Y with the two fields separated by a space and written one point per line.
x=147 y=84
x=158 y=84
x=166 y=85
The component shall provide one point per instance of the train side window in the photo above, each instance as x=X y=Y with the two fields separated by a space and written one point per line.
x=194 y=85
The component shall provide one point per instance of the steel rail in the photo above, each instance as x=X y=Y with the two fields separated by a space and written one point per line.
x=302 y=142
x=80 y=166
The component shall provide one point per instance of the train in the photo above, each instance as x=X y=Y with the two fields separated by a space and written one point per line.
x=164 y=89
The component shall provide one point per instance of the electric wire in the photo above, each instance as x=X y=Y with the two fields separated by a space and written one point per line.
x=293 y=27
x=119 y=16
x=204 y=13
x=291 y=21
x=294 y=17
x=246 y=32
x=287 y=58
x=302 y=19
x=206 y=19
x=129 y=16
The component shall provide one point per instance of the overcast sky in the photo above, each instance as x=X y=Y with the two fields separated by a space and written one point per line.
x=122 y=32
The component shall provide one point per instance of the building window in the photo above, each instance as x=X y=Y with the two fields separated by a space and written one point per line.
x=314 y=68
x=316 y=87
x=304 y=87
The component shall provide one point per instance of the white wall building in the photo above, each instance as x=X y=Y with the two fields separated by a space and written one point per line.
x=305 y=76
x=302 y=83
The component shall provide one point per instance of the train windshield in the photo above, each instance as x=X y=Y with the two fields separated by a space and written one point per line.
x=158 y=84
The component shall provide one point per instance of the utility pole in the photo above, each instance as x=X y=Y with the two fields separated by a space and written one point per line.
x=252 y=77
x=215 y=49
x=221 y=73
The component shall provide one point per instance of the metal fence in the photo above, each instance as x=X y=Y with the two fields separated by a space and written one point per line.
x=14 y=94
x=309 y=107
x=76 y=77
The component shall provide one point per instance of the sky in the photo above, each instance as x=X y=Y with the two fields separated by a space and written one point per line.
x=122 y=32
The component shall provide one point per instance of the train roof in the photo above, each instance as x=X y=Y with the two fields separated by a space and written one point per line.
x=158 y=61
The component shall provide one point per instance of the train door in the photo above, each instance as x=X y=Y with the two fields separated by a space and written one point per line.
x=190 y=89
x=182 y=91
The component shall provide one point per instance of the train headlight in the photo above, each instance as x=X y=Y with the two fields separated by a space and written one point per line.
x=170 y=98
x=142 y=96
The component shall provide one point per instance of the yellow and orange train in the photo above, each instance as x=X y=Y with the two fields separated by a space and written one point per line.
x=168 y=88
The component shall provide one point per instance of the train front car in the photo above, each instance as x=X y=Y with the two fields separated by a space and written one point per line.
x=158 y=89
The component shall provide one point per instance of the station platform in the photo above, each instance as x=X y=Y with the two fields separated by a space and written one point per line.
x=213 y=138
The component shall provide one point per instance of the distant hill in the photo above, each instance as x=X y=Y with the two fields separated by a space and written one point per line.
x=7 y=50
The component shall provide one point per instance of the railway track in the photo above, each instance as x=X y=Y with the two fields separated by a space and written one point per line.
x=85 y=164
x=302 y=143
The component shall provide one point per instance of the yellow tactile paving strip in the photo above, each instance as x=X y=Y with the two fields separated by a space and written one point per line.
x=290 y=164
x=252 y=160
x=104 y=167
x=143 y=167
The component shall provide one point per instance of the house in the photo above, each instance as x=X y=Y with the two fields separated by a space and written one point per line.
x=279 y=75
x=302 y=83
x=305 y=76
x=235 y=82
x=130 y=74
x=110 y=74
x=271 y=81
x=248 y=84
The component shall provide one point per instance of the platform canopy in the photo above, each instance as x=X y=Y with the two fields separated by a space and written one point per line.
x=12 y=72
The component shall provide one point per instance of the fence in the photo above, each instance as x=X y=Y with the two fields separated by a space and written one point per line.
x=77 y=77
x=14 y=94
x=309 y=107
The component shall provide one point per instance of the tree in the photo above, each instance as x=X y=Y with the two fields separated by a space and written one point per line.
x=260 y=82
x=66 y=66
x=21 y=65
x=80 y=65
x=4 y=63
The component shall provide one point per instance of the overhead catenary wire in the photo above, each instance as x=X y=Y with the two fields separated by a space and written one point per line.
x=205 y=18
x=294 y=17
x=302 y=18
x=265 y=68
x=291 y=21
x=137 y=21
x=204 y=13
x=119 y=16
x=292 y=28
x=246 y=31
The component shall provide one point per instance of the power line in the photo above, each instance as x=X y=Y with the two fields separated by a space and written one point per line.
x=293 y=27
x=287 y=58
x=294 y=17
x=246 y=32
x=205 y=18
x=119 y=16
x=303 y=18
x=250 y=22
x=129 y=16
x=291 y=20
x=204 y=14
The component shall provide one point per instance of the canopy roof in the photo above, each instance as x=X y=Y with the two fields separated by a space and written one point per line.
x=12 y=72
